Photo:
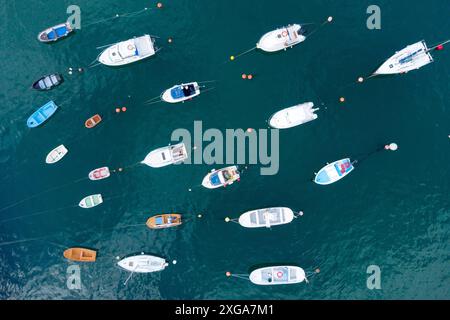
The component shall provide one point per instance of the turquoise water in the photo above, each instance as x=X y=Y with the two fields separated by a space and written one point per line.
x=392 y=211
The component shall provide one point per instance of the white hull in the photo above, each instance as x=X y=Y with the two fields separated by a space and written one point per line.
x=277 y=275
x=167 y=95
x=56 y=154
x=91 y=201
x=99 y=174
x=128 y=51
x=293 y=116
x=281 y=39
x=330 y=174
x=266 y=218
x=166 y=156
x=220 y=180
x=143 y=264
x=412 y=57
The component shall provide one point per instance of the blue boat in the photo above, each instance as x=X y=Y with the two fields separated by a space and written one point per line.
x=42 y=114
x=55 y=33
x=334 y=172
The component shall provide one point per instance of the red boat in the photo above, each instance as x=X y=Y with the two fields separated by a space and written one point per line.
x=99 y=174
x=93 y=121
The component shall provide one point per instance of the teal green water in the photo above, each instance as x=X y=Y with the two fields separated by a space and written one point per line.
x=392 y=211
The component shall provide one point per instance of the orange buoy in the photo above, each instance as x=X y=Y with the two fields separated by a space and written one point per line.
x=244 y=76
x=317 y=270
x=124 y=109
x=250 y=77
x=159 y=5
x=117 y=110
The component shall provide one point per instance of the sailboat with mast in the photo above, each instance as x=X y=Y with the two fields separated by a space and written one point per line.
x=413 y=57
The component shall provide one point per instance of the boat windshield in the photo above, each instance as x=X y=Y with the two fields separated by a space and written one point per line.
x=410 y=57
x=188 y=90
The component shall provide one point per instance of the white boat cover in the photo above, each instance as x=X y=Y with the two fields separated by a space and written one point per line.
x=293 y=116
x=410 y=58
x=282 y=38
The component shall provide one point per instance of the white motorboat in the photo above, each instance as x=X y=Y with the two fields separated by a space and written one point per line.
x=91 y=201
x=99 y=174
x=166 y=156
x=266 y=217
x=282 y=38
x=293 y=116
x=181 y=92
x=276 y=275
x=128 y=51
x=221 y=178
x=334 y=172
x=143 y=263
x=56 y=154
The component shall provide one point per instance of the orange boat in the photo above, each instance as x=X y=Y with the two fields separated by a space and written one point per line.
x=93 y=121
x=80 y=254
x=164 y=221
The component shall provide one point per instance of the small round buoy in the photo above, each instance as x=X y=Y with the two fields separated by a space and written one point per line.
x=195 y=148
x=317 y=270
x=341 y=99
x=301 y=213
x=117 y=110
x=360 y=79
x=124 y=109
x=70 y=72
x=393 y=147
x=250 y=130
x=70 y=69
x=80 y=70
x=190 y=190
x=330 y=18
x=174 y=261
x=228 y=274
x=250 y=77
x=232 y=58
x=169 y=40
x=200 y=216
x=117 y=258
x=227 y=219
x=120 y=169
x=159 y=5
x=244 y=76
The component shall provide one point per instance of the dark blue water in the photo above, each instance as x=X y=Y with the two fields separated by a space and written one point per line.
x=392 y=211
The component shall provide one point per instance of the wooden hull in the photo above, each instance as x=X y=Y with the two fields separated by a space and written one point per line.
x=164 y=221
x=80 y=255
x=93 y=121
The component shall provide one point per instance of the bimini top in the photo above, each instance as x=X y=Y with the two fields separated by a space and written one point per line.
x=42 y=114
x=276 y=275
x=266 y=217
x=293 y=116
x=128 y=51
x=143 y=263
x=334 y=172
x=221 y=177
x=282 y=38
x=410 y=58
x=166 y=156
x=180 y=93
x=55 y=33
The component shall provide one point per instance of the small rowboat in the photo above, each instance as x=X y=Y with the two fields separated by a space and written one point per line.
x=91 y=201
x=143 y=263
x=42 y=114
x=80 y=254
x=55 y=33
x=93 y=121
x=266 y=217
x=99 y=174
x=56 y=154
x=334 y=172
x=164 y=221
x=48 y=82
x=277 y=275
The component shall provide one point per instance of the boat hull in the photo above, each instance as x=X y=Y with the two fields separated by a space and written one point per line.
x=293 y=116
x=42 y=114
x=56 y=154
x=48 y=82
x=91 y=201
x=55 y=33
x=143 y=264
x=277 y=275
x=166 y=96
x=281 y=39
x=334 y=172
x=166 y=156
x=99 y=174
x=266 y=218
x=209 y=181
x=127 y=52
x=164 y=221
x=93 y=121
x=80 y=255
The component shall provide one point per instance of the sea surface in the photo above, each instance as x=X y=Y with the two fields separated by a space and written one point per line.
x=393 y=211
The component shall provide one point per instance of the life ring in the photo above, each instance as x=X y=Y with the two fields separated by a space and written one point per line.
x=130 y=47
x=279 y=274
x=284 y=33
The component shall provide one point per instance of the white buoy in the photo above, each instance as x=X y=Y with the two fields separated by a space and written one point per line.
x=227 y=219
x=174 y=261
x=117 y=258
x=330 y=18
x=393 y=146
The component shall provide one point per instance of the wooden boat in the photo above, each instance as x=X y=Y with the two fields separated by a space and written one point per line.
x=99 y=174
x=164 y=221
x=48 y=82
x=91 y=201
x=42 y=114
x=93 y=121
x=56 y=154
x=55 y=33
x=80 y=254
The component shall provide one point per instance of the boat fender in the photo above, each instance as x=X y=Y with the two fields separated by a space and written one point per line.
x=284 y=33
